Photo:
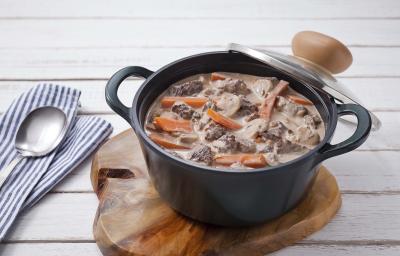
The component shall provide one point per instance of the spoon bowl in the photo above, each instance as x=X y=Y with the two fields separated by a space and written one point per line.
x=42 y=130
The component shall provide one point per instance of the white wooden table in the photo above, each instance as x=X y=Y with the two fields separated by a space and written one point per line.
x=82 y=43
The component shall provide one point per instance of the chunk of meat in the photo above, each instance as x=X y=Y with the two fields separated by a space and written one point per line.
x=277 y=135
x=214 y=131
x=269 y=103
x=290 y=108
x=246 y=146
x=235 y=86
x=202 y=154
x=276 y=131
x=284 y=146
x=312 y=121
x=196 y=116
x=231 y=143
x=226 y=143
x=307 y=135
x=228 y=103
x=246 y=107
x=254 y=128
x=268 y=147
x=187 y=88
x=183 y=110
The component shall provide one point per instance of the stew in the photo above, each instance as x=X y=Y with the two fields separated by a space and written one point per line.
x=231 y=120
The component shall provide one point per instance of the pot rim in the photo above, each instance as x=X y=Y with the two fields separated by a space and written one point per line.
x=330 y=127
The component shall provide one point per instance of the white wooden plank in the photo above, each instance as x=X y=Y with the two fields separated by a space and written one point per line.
x=50 y=249
x=58 y=217
x=377 y=94
x=365 y=171
x=203 y=9
x=180 y=32
x=90 y=249
x=101 y=63
x=369 y=217
x=338 y=250
x=362 y=219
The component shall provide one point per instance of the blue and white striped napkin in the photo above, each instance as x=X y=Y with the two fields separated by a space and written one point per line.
x=32 y=178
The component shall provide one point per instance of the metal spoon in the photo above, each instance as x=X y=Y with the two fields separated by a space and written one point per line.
x=40 y=132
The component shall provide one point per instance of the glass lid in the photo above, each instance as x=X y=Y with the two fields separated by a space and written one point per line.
x=307 y=72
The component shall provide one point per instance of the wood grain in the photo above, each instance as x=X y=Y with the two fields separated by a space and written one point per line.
x=133 y=220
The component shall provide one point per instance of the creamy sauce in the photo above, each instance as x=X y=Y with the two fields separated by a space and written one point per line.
x=298 y=134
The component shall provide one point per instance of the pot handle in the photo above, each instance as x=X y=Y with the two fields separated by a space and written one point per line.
x=355 y=140
x=113 y=84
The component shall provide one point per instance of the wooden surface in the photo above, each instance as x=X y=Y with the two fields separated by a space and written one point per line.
x=132 y=219
x=79 y=45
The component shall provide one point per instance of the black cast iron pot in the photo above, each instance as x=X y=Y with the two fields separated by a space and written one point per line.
x=228 y=197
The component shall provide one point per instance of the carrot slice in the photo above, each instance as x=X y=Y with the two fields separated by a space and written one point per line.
x=216 y=76
x=223 y=120
x=166 y=143
x=249 y=160
x=254 y=161
x=195 y=102
x=228 y=159
x=269 y=103
x=299 y=100
x=173 y=125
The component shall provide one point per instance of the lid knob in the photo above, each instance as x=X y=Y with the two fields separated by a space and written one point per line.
x=323 y=50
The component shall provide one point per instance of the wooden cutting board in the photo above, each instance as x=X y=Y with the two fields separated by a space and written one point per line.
x=132 y=219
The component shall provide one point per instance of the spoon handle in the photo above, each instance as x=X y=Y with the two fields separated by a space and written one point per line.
x=8 y=169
